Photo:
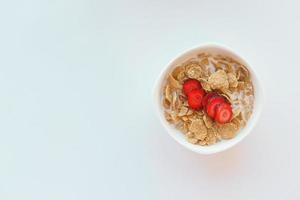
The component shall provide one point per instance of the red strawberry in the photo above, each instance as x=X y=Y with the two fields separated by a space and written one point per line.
x=223 y=113
x=212 y=105
x=207 y=97
x=195 y=99
x=190 y=85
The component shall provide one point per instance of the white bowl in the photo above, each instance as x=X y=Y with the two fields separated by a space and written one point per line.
x=179 y=136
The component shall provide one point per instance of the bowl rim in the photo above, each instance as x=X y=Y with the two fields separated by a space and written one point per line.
x=245 y=131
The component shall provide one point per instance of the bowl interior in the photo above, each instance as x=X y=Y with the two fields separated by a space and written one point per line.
x=179 y=136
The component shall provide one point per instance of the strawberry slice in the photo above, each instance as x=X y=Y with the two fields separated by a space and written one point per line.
x=195 y=98
x=212 y=104
x=223 y=113
x=207 y=97
x=190 y=85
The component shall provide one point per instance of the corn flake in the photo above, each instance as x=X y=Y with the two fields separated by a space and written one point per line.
x=174 y=83
x=183 y=111
x=218 y=80
x=194 y=72
x=192 y=140
x=227 y=131
x=233 y=82
x=207 y=121
x=205 y=85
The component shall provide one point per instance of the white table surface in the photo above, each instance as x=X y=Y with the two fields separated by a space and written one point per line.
x=76 y=112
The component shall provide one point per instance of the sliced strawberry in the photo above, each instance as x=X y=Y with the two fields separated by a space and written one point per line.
x=207 y=97
x=190 y=85
x=195 y=99
x=223 y=113
x=212 y=104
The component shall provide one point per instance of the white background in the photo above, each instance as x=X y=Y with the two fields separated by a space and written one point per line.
x=76 y=112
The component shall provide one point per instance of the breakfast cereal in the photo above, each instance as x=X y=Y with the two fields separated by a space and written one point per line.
x=208 y=98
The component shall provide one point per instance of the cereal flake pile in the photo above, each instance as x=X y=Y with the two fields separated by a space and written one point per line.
x=217 y=73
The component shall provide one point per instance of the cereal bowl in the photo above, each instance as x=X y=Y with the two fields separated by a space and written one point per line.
x=239 y=67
